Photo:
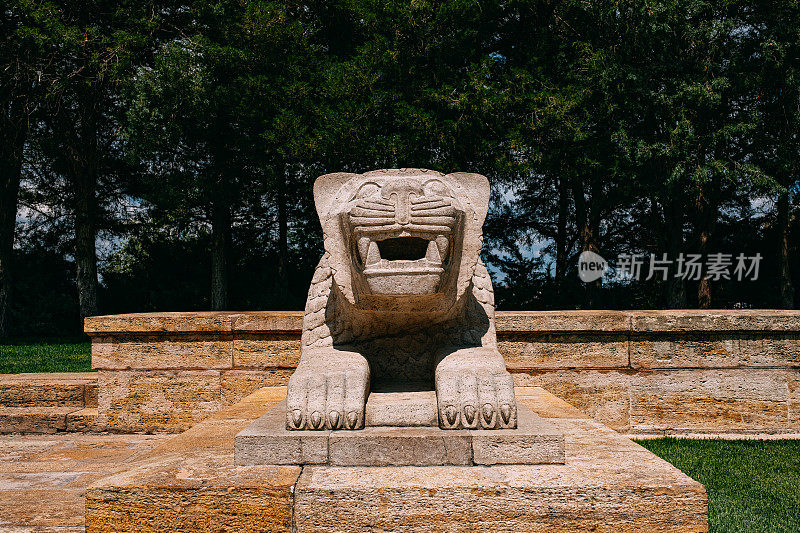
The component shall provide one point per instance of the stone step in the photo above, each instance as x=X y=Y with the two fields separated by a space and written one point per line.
x=83 y=421
x=77 y=389
x=34 y=419
x=267 y=441
x=48 y=419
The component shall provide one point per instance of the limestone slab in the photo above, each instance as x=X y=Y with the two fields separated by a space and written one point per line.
x=545 y=404
x=200 y=494
x=90 y=392
x=607 y=483
x=166 y=400
x=268 y=322
x=266 y=350
x=532 y=350
x=400 y=409
x=45 y=390
x=696 y=400
x=147 y=352
x=190 y=482
x=175 y=322
x=590 y=321
x=237 y=384
x=381 y=446
x=34 y=419
x=602 y=394
x=83 y=420
x=38 y=510
x=674 y=320
x=660 y=340
x=794 y=397
x=564 y=321
x=715 y=350
x=43 y=477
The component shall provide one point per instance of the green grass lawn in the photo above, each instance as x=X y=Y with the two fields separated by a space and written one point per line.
x=45 y=355
x=753 y=485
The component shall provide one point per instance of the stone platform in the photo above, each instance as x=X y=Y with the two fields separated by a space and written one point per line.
x=267 y=441
x=190 y=483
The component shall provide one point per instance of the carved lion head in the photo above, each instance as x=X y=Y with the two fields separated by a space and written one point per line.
x=402 y=240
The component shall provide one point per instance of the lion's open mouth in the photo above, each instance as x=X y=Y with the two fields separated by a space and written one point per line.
x=403 y=248
x=402 y=254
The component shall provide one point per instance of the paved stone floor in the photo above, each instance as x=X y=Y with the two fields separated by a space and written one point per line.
x=43 y=477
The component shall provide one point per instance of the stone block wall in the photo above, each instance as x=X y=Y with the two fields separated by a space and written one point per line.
x=636 y=371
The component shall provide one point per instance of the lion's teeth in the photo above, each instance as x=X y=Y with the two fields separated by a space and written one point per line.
x=432 y=255
x=442 y=243
x=363 y=247
x=373 y=254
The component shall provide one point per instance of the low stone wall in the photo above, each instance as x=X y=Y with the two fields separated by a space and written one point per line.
x=636 y=371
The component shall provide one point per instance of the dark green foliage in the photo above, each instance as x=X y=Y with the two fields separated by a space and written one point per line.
x=45 y=300
x=185 y=138
x=158 y=273
x=751 y=484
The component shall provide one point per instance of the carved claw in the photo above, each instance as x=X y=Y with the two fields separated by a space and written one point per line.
x=297 y=418
x=475 y=381
x=505 y=412
x=450 y=414
x=488 y=413
x=333 y=419
x=469 y=414
x=327 y=390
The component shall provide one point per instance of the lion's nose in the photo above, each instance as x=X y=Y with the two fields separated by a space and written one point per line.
x=401 y=194
x=402 y=208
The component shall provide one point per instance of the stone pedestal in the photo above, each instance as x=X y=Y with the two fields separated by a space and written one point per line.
x=266 y=441
x=190 y=483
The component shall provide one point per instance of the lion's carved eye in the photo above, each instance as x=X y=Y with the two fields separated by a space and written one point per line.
x=367 y=190
x=436 y=188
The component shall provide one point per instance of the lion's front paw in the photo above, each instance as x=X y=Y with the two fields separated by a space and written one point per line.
x=329 y=392
x=472 y=394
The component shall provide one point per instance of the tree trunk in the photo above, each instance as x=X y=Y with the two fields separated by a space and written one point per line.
x=675 y=287
x=785 y=289
x=283 y=240
x=84 y=178
x=561 y=235
x=220 y=247
x=85 y=246
x=581 y=218
x=587 y=236
x=707 y=217
x=10 y=173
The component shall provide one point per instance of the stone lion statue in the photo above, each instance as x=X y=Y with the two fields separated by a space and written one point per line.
x=402 y=300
